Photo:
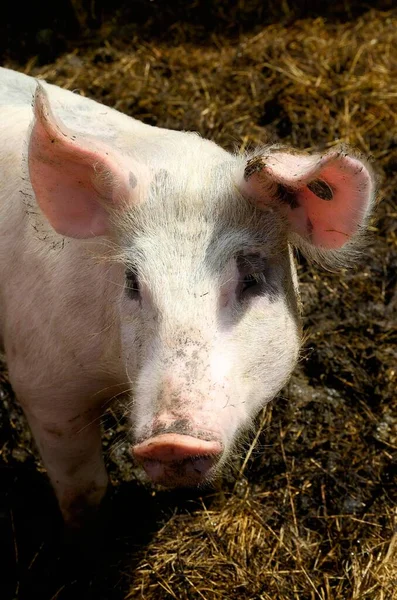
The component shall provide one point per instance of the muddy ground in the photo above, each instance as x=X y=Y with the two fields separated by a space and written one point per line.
x=310 y=511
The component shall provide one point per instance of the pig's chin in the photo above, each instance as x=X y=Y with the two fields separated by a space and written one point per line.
x=176 y=460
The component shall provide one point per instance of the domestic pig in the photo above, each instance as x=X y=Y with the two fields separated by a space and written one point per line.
x=151 y=262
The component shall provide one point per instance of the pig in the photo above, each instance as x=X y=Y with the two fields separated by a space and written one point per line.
x=153 y=263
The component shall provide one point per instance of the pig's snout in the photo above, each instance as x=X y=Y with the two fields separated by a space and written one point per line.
x=176 y=460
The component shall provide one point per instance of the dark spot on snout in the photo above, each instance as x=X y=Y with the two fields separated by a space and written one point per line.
x=287 y=196
x=181 y=426
x=132 y=180
x=254 y=165
x=321 y=189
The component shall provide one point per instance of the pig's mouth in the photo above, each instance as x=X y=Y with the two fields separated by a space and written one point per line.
x=176 y=460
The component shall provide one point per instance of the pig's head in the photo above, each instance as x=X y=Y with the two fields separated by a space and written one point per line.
x=208 y=309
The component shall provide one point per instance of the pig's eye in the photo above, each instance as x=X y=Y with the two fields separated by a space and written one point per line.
x=249 y=282
x=251 y=285
x=252 y=279
x=132 y=284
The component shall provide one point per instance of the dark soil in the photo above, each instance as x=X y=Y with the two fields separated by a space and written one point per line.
x=311 y=512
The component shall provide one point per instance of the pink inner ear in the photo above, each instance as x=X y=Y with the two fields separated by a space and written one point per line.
x=326 y=197
x=331 y=223
x=73 y=178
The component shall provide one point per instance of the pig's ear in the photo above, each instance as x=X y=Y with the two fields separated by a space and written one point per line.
x=76 y=181
x=327 y=198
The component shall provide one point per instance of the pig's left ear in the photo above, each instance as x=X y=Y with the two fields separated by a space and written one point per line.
x=327 y=198
x=77 y=180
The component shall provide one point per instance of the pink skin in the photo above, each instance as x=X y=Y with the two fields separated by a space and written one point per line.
x=177 y=459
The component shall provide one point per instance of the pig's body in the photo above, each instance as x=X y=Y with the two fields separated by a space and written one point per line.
x=92 y=203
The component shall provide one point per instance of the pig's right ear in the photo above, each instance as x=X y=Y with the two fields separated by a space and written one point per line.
x=327 y=198
x=76 y=180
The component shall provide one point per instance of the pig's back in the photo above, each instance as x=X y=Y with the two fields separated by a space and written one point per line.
x=75 y=111
x=15 y=88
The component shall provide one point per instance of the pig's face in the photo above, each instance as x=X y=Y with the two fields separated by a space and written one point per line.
x=209 y=322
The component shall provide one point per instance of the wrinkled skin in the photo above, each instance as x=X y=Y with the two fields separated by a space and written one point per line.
x=149 y=261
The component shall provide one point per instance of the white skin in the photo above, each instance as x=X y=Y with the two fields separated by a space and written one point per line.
x=141 y=259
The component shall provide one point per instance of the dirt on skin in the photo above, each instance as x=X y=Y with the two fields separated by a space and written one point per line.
x=310 y=510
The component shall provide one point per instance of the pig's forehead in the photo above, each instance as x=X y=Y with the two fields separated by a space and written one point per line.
x=200 y=216
x=182 y=161
x=196 y=186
